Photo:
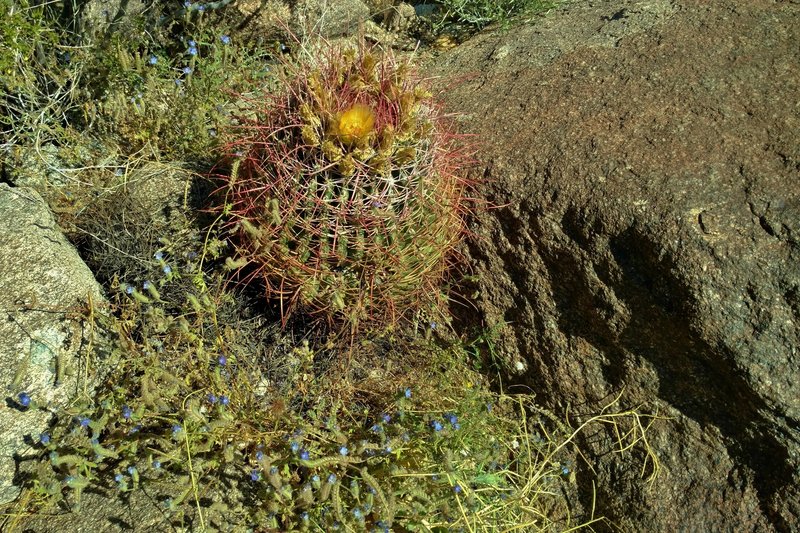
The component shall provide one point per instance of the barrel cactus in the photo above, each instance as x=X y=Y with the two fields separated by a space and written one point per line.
x=345 y=197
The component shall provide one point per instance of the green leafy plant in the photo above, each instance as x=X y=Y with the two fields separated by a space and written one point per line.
x=345 y=194
x=36 y=87
x=24 y=32
x=200 y=406
x=173 y=100
x=199 y=399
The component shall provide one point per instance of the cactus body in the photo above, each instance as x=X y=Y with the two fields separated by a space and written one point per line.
x=346 y=196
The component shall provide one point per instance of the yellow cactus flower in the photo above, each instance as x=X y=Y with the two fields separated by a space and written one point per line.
x=355 y=123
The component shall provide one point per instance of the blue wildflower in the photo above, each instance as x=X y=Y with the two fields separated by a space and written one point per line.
x=186 y=70
x=222 y=360
x=343 y=451
x=255 y=475
x=44 y=438
x=294 y=446
x=153 y=60
x=159 y=255
x=166 y=269
x=24 y=399
x=211 y=398
x=225 y=39
x=127 y=412
x=129 y=289
x=176 y=428
x=224 y=400
x=259 y=455
x=332 y=479
x=407 y=393
x=192 y=51
x=386 y=418
x=304 y=455
x=157 y=464
x=436 y=425
x=83 y=421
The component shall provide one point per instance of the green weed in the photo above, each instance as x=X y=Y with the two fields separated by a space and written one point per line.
x=201 y=400
x=172 y=98
x=35 y=87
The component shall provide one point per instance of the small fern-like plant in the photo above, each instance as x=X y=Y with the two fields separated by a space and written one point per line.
x=345 y=192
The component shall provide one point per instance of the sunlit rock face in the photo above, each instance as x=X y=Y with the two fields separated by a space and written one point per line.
x=645 y=166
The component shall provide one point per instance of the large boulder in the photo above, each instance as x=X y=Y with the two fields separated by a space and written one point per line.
x=644 y=163
x=43 y=287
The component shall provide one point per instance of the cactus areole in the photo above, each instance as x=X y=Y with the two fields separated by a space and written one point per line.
x=344 y=197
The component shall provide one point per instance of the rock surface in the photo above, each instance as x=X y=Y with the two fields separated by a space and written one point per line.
x=644 y=155
x=42 y=283
x=297 y=20
x=329 y=18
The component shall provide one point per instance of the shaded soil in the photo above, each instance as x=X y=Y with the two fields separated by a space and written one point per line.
x=645 y=156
